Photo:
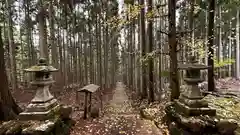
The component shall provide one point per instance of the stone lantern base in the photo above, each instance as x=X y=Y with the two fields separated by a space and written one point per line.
x=181 y=124
x=39 y=111
x=193 y=106
x=59 y=124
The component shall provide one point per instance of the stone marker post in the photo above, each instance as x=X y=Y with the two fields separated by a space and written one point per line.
x=43 y=103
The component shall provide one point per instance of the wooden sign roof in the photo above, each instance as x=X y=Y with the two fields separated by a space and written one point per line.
x=89 y=88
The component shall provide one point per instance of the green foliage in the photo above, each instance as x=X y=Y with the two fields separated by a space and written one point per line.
x=222 y=63
x=132 y=12
x=128 y=2
x=229 y=2
x=165 y=73
x=199 y=48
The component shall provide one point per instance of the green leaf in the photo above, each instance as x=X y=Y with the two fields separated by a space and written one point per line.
x=164 y=73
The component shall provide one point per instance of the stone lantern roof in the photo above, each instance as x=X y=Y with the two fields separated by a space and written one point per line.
x=42 y=66
x=192 y=65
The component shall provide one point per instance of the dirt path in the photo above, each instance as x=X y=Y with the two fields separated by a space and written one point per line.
x=119 y=119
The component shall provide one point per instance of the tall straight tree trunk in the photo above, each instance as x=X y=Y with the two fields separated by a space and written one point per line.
x=80 y=59
x=113 y=57
x=106 y=57
x=60 y=49
x=74 y=51
x=160 y=65
x=138 y=74
x=42 y=32
x=219 y=41
x=98 y=45
x=8 y=107
x=31 y=50
x=68 y=46
x=230 y=49
x=22 y=57
x=150 y=62
x=174 y=82
x=211 y=85
x=91 y=68
x=99 y=57
x=65 y=48
x=85 y=62
x=100 y=52
x=143 y=45
x=114 y=46
x=206 y=42
x=238 y=45
x=114 y=13
x=181 y=45
x=54 y=53
x=134 y=54
x=52 y=36
x=64 y=59
x=129 y=50
x=11 y=47
x=191 y=25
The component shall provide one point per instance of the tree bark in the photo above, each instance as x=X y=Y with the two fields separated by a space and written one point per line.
x=230 y=48
x=211 y=85
x=42 y=33
x=220 y=41
x=8 y=107
x=52 y=36
x=206 y=42
x=150 y=61
x=106 y=54
x=174 y=82
x=11 y=47
x=91 y=60
x=143 y=45
x=238 y=46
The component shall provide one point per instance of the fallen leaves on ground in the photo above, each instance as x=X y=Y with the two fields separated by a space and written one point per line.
x=120 y=119
x=155 y=112
x=124 y=119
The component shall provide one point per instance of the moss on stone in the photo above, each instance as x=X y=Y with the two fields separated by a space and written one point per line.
x=227 y=107
x=16 y=128
x=55 y=112
x=6 y=125
x=55 y=125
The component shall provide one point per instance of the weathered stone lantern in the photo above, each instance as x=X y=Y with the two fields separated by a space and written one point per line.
x=191 y=100
x=190 y=113
x=43 y=103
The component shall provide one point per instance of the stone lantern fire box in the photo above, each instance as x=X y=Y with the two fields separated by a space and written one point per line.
x=43 y=104
x=190 y=113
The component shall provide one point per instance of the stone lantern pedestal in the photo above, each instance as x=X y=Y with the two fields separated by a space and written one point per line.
x=43 y=103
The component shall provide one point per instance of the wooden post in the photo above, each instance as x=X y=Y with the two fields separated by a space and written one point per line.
x=90 y=103
x=77 y=97
x=86 y=105
x=101 y=98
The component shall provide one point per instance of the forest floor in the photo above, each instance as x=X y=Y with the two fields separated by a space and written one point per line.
x=119 y=119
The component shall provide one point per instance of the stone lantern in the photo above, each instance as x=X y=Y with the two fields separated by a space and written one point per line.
x=190 y=113
x=191 y=100
x=43 y=103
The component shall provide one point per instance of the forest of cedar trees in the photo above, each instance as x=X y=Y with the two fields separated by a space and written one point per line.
x=140 y=43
